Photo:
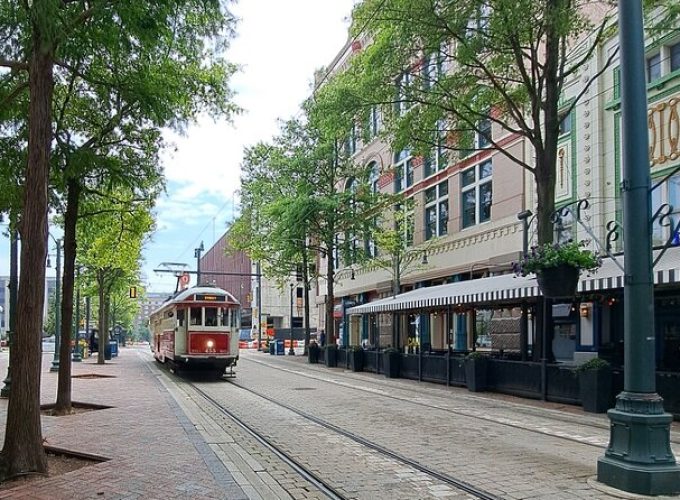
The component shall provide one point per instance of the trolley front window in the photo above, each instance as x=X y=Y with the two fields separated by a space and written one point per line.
x=196 y=316
x=211 y=316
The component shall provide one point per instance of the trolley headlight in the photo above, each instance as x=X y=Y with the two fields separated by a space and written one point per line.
x=210 y=344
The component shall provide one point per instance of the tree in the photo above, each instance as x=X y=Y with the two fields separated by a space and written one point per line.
x=111 y=245
x=48 y=41
x=446 y=71
x=297 y=204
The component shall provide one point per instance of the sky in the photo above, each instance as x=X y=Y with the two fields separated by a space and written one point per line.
x=278 y=46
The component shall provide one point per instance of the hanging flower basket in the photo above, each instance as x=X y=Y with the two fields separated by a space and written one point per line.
x=558 y=281
x=557 y=267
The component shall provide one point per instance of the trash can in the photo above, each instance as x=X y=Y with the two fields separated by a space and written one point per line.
x=114 y=348
x=272 y=347
x=107 y=351
x=280 y=350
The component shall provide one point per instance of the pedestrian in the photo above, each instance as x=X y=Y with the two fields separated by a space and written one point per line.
x=322 y=338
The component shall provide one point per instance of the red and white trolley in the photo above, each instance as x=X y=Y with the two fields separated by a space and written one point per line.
x=197 y=329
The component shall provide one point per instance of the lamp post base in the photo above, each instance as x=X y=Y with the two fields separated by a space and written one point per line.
x=55 y=366
x=4 y=392
x=639 y=457
x=76 y=358
x=291 y=352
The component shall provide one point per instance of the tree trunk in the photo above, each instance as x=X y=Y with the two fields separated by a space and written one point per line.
x=63 y=405
x=23 y=448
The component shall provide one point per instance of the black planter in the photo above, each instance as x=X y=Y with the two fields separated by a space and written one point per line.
x=595 y=389
x=313 y=352
x=331 y=352
x=356 y=360
x=475 y=374
x=558 y=281
x=391 y=361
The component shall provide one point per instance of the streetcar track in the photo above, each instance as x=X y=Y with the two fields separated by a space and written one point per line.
x=303 y=471
x=445 y=478
x=476 y=415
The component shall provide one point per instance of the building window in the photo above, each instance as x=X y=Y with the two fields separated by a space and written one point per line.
x=668 y=192
x=351 y=142
x=675 y=56
x=437 y=210
x=654 y=67
x=403 y=170
x=370 y=247
x=374 y=122
x=403 y=83
x=476 y=194
x=438 y=159
x=483 y=134
x=565 y=123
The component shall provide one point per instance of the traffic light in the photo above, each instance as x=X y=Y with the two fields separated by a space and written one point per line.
x=133 y=292
x=298 y=272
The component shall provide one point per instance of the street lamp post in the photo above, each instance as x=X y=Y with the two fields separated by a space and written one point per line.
x=57 y=305
x=291 y=351
x=197 y=253
x=639 y=457
x=76 y=357
x=13 y=289
x=524 y=216
x=258 y=271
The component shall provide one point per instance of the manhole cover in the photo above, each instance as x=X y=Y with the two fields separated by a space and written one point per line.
x=304 y=388
x=92 y=375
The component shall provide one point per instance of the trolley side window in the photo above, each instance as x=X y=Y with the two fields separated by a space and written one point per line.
x=211 y=316
x=196 y=316
x=181 y=313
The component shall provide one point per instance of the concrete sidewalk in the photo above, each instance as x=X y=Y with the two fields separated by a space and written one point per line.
x=153 y=449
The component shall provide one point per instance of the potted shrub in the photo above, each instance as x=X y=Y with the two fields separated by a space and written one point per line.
x=557 y=267
x=391 y=358
x=313 y=352
x=356 y=358
x=595 y=385
x=475 y=371
x=331 y=355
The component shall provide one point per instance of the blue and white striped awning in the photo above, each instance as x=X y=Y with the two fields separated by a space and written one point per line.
x=508 y=287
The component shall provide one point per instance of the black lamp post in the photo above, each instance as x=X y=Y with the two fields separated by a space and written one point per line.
x=12 y=313
x=524 y=216
x=639 y=458
x=57 y=305
x=76 y=357
x=291 y=351
x=197 y=253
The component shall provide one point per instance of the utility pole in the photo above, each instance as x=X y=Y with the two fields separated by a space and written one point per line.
x=639 y=457
x=291 y=351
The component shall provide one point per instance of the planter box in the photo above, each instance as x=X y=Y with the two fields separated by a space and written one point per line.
x=475 y=374
x=313 y=353
x=356 y=360
x=391 y=362
x=331 y=356
x=595 y=388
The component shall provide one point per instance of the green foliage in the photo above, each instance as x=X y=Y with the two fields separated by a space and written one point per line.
x=571 y=254
x=593 y=364
x=476 y=355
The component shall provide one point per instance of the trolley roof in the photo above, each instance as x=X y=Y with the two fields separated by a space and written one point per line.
x=200 y=294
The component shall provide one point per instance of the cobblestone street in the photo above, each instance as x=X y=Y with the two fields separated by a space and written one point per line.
x=365 y=436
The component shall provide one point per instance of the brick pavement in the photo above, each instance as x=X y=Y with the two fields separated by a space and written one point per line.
x=154 y=450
